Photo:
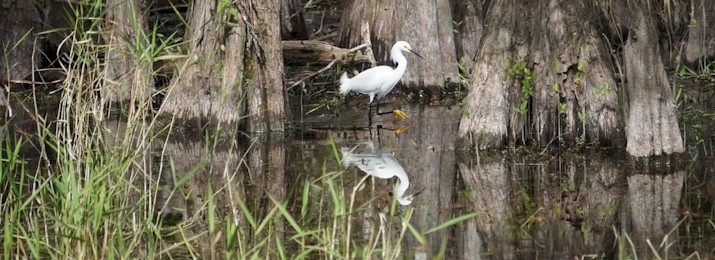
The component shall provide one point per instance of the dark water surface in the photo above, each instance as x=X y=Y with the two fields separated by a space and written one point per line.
x=589 y=203
x=556 y=205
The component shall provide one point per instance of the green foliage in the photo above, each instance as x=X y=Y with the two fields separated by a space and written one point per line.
x=679 y=95
x=463 y=72
x=463 y=109
x=557 y=66
x=579 y=76
x=521 y=71
x=562 y=108
x=228 y=13
x=580 y=140
x=604 y=89
x=705 y=71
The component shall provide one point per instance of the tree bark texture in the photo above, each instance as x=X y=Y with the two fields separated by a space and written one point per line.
x=267 y=97
x=378 y=14
x=651 y=122
x=573 y=70
x=469 y=27
x=700 y=43
x=234 y=68
x=425 y=24
x=573 y=94
x=17 y=39
x=292 y=22
x=484 y=124
x=127 y=77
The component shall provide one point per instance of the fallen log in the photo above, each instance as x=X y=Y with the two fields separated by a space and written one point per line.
x=317 y=52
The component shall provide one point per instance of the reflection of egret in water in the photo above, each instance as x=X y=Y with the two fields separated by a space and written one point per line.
x=380 y=164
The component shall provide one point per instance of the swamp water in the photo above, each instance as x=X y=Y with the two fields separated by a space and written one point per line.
x=590 y=203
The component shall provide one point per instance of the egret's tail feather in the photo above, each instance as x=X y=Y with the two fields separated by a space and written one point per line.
x=344 y=84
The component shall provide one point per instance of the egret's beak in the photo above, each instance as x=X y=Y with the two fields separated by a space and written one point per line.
x=417 y=193
x=413 y=52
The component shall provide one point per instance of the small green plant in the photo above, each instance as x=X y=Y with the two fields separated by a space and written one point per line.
x=562 y=108
x=228 y=13
x=680 y=95
x=584 y=228
x=463 y=109
x=603 y=89
x=557 y=65
x=442 y=89
x=579 y=75
x=606 y=208
x=463 y=72
x=705 y=70
x=527 y=200
x=519 y=70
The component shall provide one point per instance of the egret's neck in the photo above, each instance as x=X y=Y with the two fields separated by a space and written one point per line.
x=400 y=190
x=397 y=57
x=402 y=184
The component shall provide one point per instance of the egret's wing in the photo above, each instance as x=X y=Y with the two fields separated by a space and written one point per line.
x=380 y=165
x=371 y=80
x=356 y=158
x=389 y=167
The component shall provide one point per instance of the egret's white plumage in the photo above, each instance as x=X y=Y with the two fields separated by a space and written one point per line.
x=380 y=80
x=382 y=165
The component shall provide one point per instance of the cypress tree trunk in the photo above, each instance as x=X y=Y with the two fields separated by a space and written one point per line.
x=469 y=28
x=127 y=78
x=427 y=26
x=263 y=75
x=651 y=122
x=292 y=21
x=541 y=74
x=378 y=15
x=234 y=68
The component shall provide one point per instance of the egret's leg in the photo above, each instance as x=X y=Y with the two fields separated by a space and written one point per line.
x=369 y=114
x=397 y=130
x=398 y=113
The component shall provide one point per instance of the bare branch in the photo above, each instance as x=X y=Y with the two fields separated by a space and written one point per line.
x=330 y=65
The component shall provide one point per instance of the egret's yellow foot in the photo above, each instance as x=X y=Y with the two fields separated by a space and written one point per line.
x=400 y=129
x=399 y=114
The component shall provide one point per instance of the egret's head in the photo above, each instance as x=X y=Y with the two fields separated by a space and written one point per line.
x=404 y=46
x=407 y=200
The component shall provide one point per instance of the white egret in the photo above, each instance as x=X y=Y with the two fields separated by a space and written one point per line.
x=380 y=80
x=382 y=165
